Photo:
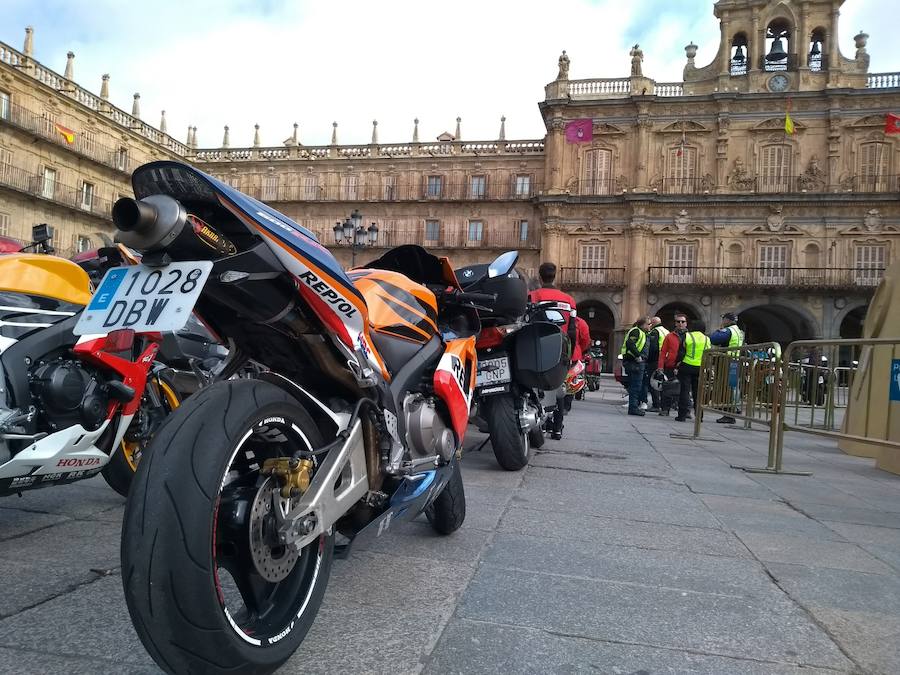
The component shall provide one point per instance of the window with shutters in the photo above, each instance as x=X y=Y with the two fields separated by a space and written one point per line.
x=48 y=183
x=592 y=263
x=598 y=171
x=477 y=187
x=874 y=167
x=775 y=169
x=48 y=124
x=680 y=267
x=4 y=224
x=310 y=187
x=87 y=195
x=87 y=143
x=81 y=243
x=773 y=264
x=434 y=186
x=4 y=105
x=681 y=171
x=349 y=187
x=270 y=187
x=523 y=186
x=522 y=230
x=122 y=159
x=871 y=260
x=476 y=232
x=5 y=164
x=235 y=181
x=432 y=231
x=389 y=188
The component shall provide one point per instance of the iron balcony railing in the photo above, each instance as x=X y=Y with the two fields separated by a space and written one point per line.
x=52 y=190
x=32 y=122
x=592 y=277
x=444 y=237
x=874 y=184
x=396 y=192
x=599 y=187
x=686 y=186
x=802 y=278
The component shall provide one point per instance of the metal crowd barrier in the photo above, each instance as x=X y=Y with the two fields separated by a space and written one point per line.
x=806 y=389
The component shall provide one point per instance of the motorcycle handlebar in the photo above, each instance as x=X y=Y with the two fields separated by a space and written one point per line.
x=476 y=297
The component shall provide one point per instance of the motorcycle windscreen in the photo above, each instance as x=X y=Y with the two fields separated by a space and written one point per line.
x=539 y=356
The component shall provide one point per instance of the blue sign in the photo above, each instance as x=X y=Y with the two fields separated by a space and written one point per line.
x=895 y=380
x=108 y=288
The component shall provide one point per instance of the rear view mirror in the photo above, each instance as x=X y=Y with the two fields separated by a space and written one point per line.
x=503 y=264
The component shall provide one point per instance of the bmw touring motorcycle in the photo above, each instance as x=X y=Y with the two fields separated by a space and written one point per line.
x=251 y=487
x=69 y=408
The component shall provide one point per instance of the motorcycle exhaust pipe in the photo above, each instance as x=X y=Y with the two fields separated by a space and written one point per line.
x=159 y=222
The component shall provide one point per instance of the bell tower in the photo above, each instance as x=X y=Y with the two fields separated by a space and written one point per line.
x=778 y=46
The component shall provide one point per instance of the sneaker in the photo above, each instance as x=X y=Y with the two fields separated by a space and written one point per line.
x=663 y=413
x=725 y=420
x=639 y=413
x=681 y=419
x=643 y=406
x=652 y=409
x=625 y=405
x=556 y=436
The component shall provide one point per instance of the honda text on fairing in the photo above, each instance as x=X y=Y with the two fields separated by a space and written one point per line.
x=70 y=408
x=252 y=485
x=519 y=355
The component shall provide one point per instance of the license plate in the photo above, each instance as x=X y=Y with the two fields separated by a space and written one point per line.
x=144 y=299
x=492 y=371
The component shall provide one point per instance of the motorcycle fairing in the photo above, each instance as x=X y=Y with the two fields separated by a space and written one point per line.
x=454 y=381
x=319 y=278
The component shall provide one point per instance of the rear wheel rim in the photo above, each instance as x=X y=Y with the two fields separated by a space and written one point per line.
x=260 y=612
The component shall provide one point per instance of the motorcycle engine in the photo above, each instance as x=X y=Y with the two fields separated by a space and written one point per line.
x=68 y=394
x=426 y=433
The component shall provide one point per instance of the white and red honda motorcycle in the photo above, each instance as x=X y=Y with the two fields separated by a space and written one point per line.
x=250 y=487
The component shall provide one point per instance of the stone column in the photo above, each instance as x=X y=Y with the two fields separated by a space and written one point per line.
x=634 y=302
x=643 y=150
x=803 y=40
x=757 y=43
x=724 y=47
x=554 y=151
x=834 y=150
x=834 y=62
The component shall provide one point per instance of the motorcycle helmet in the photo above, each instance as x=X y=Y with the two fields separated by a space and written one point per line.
x=657 y=380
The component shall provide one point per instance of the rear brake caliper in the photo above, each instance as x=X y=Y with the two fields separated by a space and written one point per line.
x=293 y=475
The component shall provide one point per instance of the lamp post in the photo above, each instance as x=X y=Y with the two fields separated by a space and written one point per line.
x=351 y=233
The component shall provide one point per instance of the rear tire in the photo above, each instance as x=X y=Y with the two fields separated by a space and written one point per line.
x=510 y=442
x=205 y=595
x=448 y=511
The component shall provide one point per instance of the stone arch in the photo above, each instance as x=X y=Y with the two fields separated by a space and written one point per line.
x=849 y=323
x=666 y=307
x=601 y=318
x=782 y=321
x=780 y=24
x=812 y=256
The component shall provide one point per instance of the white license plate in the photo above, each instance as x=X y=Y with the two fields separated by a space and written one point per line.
x=144 y=299
x=492 y=371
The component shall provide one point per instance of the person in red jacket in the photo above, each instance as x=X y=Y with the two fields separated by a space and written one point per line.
x=582 y=340
x=670 y=355
x=565 y=304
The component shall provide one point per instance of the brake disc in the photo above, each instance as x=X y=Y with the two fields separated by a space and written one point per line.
x=272 y=559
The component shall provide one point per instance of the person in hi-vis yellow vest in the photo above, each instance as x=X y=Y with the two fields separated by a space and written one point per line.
x=729 y=335
x=695 y=343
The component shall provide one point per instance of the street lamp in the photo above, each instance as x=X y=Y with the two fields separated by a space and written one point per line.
x=351 y=233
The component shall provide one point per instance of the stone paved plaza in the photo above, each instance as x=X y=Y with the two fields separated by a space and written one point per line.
x=619 y=550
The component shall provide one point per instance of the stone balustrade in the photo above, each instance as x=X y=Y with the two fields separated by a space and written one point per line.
x=883 y=80
x=600 y=88
x=668 y=89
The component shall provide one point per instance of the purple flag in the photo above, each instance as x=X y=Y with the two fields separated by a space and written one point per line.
x=580 y=131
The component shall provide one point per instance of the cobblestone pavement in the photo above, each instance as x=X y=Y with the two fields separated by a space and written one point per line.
x=619 y=550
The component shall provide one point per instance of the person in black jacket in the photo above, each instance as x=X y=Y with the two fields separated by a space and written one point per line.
x=634 y=360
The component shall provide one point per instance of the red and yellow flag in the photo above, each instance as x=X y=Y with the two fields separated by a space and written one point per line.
x=67 y=133
x=788 y=122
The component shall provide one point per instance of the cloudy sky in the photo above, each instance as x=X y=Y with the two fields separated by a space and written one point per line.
x=275 y=62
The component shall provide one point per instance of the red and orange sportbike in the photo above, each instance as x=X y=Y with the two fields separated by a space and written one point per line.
x=251 y=487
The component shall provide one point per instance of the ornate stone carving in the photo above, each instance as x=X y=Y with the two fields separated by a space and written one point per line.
x=740 y=179
x=683 y=222
x=637 y=55
x=621 y=184
x=638 y=224
x=707 y=183
x=563 y=66
x=847 y=182
x=775 y=221
x=872 y=221
x=557 y=124
x=656 y=183
x=572 y=185
x=813 y=179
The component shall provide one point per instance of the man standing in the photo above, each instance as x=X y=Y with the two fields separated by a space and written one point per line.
x=655 y=337
x=670 y=353
x=566 y=306
x=695 y=343
x=582 y=341
x=729 y=335
x=634 y=359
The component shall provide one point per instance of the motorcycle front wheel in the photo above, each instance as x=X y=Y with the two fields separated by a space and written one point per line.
x=511 y=444
x=208 y=585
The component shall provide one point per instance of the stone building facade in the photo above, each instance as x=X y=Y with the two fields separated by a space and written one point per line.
x=649 y=196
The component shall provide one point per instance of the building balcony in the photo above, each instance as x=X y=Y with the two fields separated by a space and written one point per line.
x=33 y=123
x=445 y=237
x=592 y=278
x=765 y=278
x=398 y=192
x=53 y=191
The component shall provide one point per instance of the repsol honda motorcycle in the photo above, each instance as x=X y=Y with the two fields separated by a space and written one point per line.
x=251 y=487
x=70 y=408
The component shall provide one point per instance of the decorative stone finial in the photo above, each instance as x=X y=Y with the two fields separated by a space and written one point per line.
x=861 y=39
x=70 y=66
x=225 y=140
x=374 y=132
x=295 y=137
x=194 y=138
x=136 y=107
x=691 y=51
x=416 y=130
x=189 y=136
x=563 y=67
x=503 y=128
x=104 y=87
x=162 y=122
x=334 y=133
x=255 y=135
x=457 y=135
x=28 y=49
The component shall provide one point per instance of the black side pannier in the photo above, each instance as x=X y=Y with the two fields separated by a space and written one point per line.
x=540 y=356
